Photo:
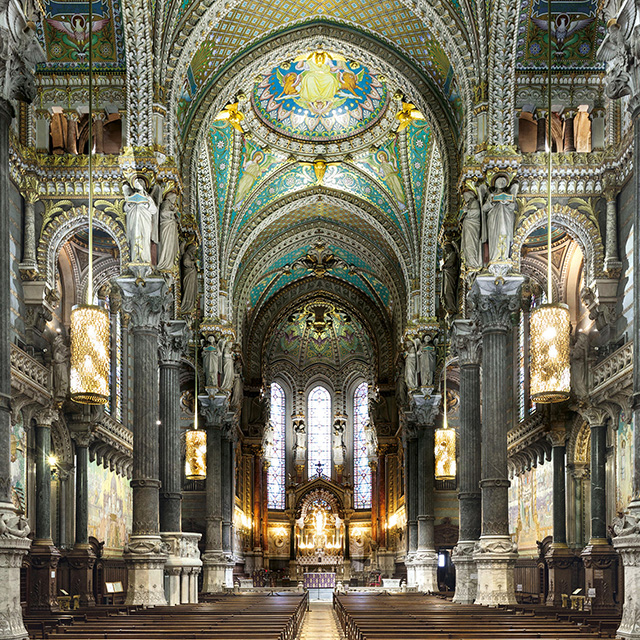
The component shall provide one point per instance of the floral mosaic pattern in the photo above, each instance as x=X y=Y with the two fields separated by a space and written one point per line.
x=320 y=95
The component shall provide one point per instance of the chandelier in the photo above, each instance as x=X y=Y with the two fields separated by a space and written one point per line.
x=550 y=325
x=196 y=439
x=90 y=361
x=445 y=441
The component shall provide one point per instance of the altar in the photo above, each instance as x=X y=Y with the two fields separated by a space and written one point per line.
x=320 y=585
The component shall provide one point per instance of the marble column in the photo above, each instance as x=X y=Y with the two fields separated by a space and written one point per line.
x=493 y=301
x=465 y=343
x=569 y=142
x=612 y=257
x=541 y=140
x=173 y=341
x=411 y=499
x=29 y=263
x=216 y=563
x=560 y=559
x=599 y=557
x=81 y=558
x=144 y=301
x=16 y=83
x=44 y=556
x=228 y=491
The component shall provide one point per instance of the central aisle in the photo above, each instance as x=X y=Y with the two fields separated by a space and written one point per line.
x=320 y=623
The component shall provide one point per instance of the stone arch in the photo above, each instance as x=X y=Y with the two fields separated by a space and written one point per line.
x=64 y=224
x=581 y=228
x=579 y=442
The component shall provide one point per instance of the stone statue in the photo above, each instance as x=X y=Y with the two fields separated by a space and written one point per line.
x=500 y=210
x=189 y=279
x=401 y=384
x=211 y=362
x=299 y=446
x=580 y=365
x=228 y=368
x=410 y=364
x=427 y=361
x=141 y=210
x=450 y=278
x=471 y=219
x=339 y=448
x=168 y=232
x=237 y=393
x=371 y=441
x=267 y=440
x=60 y=360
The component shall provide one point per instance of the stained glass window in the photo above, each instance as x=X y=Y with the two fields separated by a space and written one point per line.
x=275 y=473
x=319 y=416
x=362 y=471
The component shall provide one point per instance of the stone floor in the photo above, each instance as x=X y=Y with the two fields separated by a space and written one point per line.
x=320 y=623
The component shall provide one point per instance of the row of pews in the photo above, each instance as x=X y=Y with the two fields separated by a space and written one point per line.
x=232 y=617
x=420 y=617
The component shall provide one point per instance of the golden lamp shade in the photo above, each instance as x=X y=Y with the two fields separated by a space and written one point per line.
x=90 y=361
x=550 y=371
x=196 y=455
x=445 y=454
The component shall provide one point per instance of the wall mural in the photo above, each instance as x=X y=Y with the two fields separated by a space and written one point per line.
x=531 y=507
x=382 y=165
x=320 y=95
x=110 y=507
x=624 y=467
x=18 y=464
x=65 y=34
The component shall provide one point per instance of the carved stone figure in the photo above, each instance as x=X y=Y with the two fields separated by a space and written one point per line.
x=339 y=448
x=500 y=218
x=471 y=231
x=168 y=232
x=450 y=278
x=189 y=279
x=228 y=368
x=371 y=441
x=401 y=384
x=237 y=393
x=267 y=440
x=410 y=364
x=60 y=362
x=427 y=361
x=211 y=362
x=141 y=210
x=580 y=365
x=299 y=446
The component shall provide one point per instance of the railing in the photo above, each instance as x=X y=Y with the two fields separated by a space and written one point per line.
x=116 y=431
x=29 y=370
x=613 y=367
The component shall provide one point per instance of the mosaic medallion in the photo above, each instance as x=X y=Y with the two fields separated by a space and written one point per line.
x=320 y=95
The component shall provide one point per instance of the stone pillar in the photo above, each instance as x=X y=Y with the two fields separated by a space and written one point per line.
x=81 y=558
x=612 y=257
x=493 y=301
x=44 y=556
x=215 y=561
x=228 y=492
x=173 y=340
x=29 y=263
x=560 y=559
x=569 y=143
x=16 y=83
x=579 y=475
x=541 y=140
x=380 y=488
x=466 y=343
x=411 y=500
x=599 y=557
x=144 y=301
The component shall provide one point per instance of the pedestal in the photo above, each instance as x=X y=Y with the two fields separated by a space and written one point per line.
x=628 y=547
x=183 y=565
x=561 y=563
x=466 y=572
x=599 y=559
x=425 y=566
x=145 y=558
x=81 y=562
x=217 y=572
x=44 y=559
x=495 y=558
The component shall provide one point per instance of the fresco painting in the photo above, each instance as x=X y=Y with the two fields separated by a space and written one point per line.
x=18 y=464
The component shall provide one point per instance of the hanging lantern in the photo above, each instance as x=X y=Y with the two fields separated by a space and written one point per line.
x=196 y=455
x=444 y=446
x=90 y=362
x=550 y=366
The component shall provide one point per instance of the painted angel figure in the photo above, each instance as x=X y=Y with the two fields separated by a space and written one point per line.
x=141 y=209
x=387 y=171
x=254 y=166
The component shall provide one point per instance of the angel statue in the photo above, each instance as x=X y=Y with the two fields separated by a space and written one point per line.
x=141 y=209
x=500 y=210
x=471 y=223
x=211 y=362
x=189 y=278
x=168 y=232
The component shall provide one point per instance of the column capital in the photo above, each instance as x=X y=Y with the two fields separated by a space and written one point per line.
x=595 y=415
x=493 y=300
x=466 y=342
x=46 y=417
x=144 y=300
x=557 y=437
x=423 y=410
x=82 y=438
x=214 y=410
x=172 y=341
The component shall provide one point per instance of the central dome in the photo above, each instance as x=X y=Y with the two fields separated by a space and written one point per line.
x=320 y=96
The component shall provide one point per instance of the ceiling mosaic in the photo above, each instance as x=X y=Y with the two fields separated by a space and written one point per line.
x=320 y=95
x=64 y=33
x=576 y=34
x=319 y=333
x=388 y=19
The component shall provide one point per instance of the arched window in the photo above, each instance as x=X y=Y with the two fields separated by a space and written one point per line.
x=319 y=416
x=361 y=469
x=275 y=473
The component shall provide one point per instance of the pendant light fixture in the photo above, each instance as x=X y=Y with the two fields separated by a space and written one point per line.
x=90 y=361
x=195 y=466
x=550 y=324
x=445 y=439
